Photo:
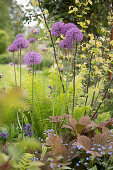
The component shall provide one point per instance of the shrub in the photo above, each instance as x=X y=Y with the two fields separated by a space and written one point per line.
x=5 y=59
x=3 y=41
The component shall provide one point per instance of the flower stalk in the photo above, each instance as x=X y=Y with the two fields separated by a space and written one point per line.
x=74 y=74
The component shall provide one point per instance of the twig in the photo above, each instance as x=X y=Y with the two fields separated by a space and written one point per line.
x=52 y=43
x=93 y=96
x=106 y=91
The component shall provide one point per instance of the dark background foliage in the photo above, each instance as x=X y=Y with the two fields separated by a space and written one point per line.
x=97 y=14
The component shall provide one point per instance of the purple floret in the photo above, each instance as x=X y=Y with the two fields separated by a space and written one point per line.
x=50 y=87
x=31 y=40
x=21 y=43
x=74 y=34
x=4 y=134
x=11 y=64
x=35 y=31
x=69 y=26
x=57 y=29
x=29 y=133
x=32 y=58
x=27 y=127
x=66 y=44
x=19 y=35
x=12 y=48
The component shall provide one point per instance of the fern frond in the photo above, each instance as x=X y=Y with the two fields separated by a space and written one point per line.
x=42 y=103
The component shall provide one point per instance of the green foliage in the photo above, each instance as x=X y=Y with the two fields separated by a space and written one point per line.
x=79 y=111
x=17 y=149
x=25 y=160
x=3 y=41
x=5 y=59
x=5 y=21
x=42 y=103
x=103 y=117
x=47 y=62
x=11 y=102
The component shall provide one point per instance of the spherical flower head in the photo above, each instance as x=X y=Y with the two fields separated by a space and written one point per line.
x=74 y=34
x=31 y=40
x=66 y=44
x=35 y=31
x=57 y=29
x=69 y=26
x=32 y=58
x=11 y=64
x=4 y=134
x=12 y=48
x=21 y=43
x=19 y=35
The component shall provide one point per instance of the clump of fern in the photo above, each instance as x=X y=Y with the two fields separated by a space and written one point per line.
x=42 y=103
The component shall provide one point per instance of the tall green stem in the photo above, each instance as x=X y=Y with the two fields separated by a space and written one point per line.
x=20 y=67
x=56 y=88
x=33 y=100
x=74 y=67
x=67 y=84
x=14 y=69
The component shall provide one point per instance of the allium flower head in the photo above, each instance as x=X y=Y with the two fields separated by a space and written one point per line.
x=35 y=31
x=4 y=134
x=57 y=29
x=66 y=44
x=31 y=40
x=20 y=35
x=12 y=48
x=69 y=26
x=20 y=43
x=74 y=34
x=11 y=64
x=32 y=58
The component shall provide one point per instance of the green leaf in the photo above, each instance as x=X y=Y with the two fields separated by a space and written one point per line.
x=44 y=150
x=66 y=167
x=94 y=168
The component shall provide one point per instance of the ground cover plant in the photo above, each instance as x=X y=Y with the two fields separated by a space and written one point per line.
x=56 y=98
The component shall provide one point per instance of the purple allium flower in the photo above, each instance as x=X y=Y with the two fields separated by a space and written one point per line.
x=57 y=29
x=35 y=31
x=11 y=64
x=32 y=58
x=19 y=35
x=69 y=26
x=4 y=134
x=66 y=44
x=12 y=48
x=21 y=43
x=31 y=40
x=27 y=127
x=74 y=34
